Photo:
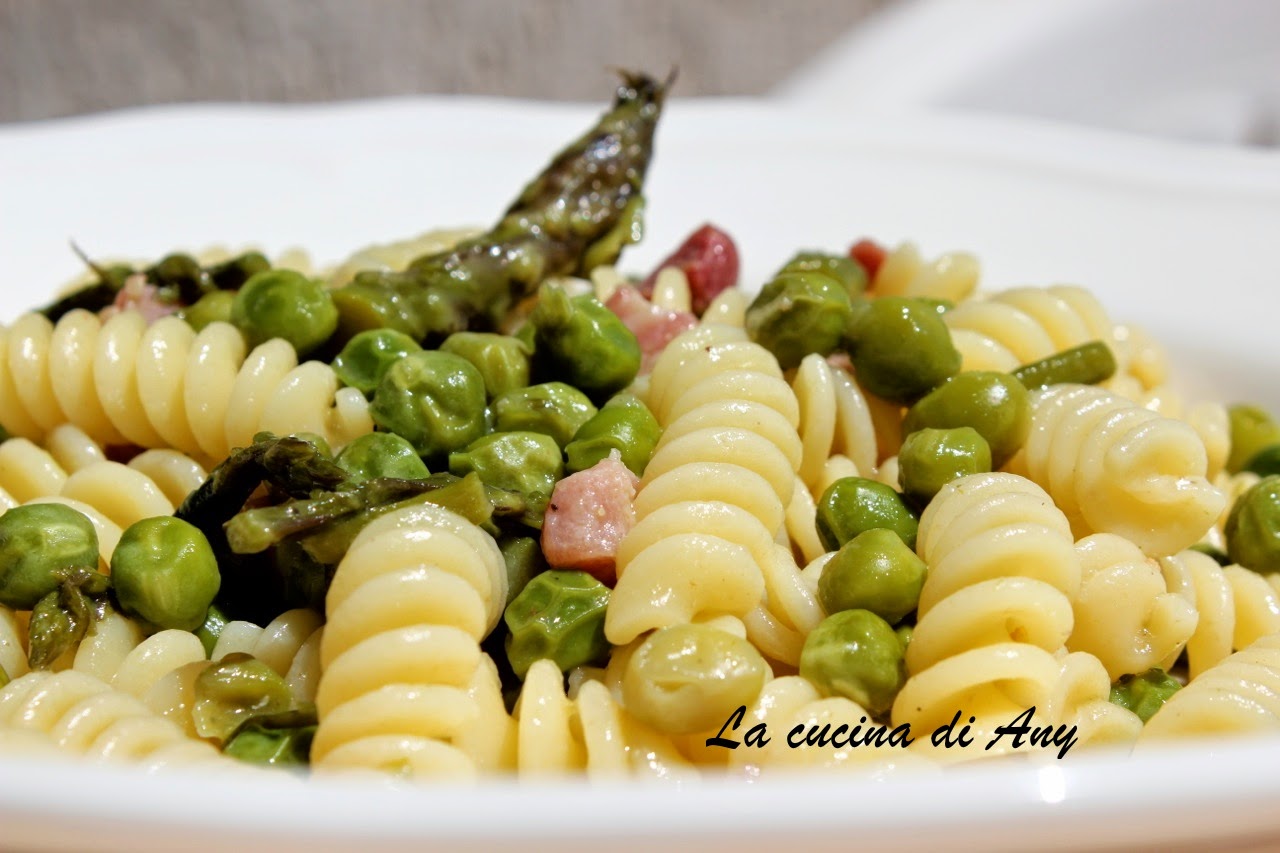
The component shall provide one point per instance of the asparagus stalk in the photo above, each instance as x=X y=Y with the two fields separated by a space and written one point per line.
x=579 y=213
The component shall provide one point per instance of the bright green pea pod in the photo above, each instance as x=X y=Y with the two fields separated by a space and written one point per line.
x=38 y=542
x=285 y=304
x=798 y=313
x=208 y=633
x=524 y=560
x=1087 y=364
x=232 y=691
x=995 y=404
x=281 y=740
x=583 y=343
x=164 y=571
x=369 y=355
x=853 y=505
x=623 y=424
x=213 y=307
x=1252 y=431
x=1146 y=693
x=931 y=458
x=875 y=571
x=558 y=616
x=503 y=360
x=1253 y=528
x=528 y=463
x=842 y=268
x=855 y=654
x=901 y=348
x=381 y=454
x=552 y=408
x=434 y=399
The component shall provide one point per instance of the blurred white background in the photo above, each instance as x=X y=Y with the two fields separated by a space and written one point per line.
x=1203 y=70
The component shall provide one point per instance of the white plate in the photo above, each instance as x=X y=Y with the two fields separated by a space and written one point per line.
x=1182 y=239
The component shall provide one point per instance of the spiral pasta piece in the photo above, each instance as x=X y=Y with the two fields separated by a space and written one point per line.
x=904 y=272
x=1125 y=614
x=165 y=386
x=403 y=681
x=711 y=503
x=590 y=732
x=1114 y=467
x=1025 y=324
x=1238 y=695
x=995 y=609
x=82 y=715
x=1236 y=607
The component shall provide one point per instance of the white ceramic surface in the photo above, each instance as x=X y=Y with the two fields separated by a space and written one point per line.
x=1182 y=239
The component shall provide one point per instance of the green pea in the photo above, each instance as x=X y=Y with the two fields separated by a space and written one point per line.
x=503 y=360
x=931 y=458
x=1252 y=431
x=798 y=313
x=525 y=462
x=853 y=505
x=4 y=677
x=208 y=633
x=524 y=561
x=235 y=689
x=381 y=454
x=552 y=408
x=1144 y=694
x=285 y=304
x=1087 y=364
x=434 y=399
x=690 y=678
x=39 y=543
x=368 y=356
x=583 y=343
x=164 y=571
x=232 y=273
x=558 y=616
x=857 y=655
x=1253 y=527
x=623 y=424
x=842 y=268
x=876 y=571
x=181 y=275
x=901 y=349
x=994 y=404
x=213 y=307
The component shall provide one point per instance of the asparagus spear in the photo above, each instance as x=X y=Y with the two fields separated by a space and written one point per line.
x=578 y=214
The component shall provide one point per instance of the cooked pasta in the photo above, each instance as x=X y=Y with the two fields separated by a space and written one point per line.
x=1025 y=324
x=1239 y=694
x=590 y=733
x=1235 y=606
x=82 y=715
x=952 y=276
x=403 y=682
x=995 y=609
x=1114 y=467
x=711 y=502
x=1124 y=613
x=165 y=386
